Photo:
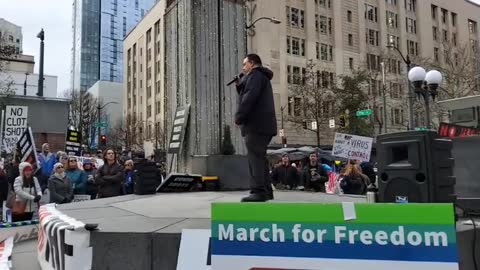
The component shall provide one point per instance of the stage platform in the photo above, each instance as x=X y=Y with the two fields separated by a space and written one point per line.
x=143 y=232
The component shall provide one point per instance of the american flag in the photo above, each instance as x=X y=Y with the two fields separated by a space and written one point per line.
x=332 y=181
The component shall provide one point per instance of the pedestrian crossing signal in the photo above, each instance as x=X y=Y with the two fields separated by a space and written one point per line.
x=342 y=121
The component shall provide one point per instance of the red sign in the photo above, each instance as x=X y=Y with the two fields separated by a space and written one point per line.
x=453 y=131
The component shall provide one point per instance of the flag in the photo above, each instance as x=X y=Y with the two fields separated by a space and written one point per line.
x=26 y=149
x=332 y=181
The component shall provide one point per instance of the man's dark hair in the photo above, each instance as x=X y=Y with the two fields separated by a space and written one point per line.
x=255 y=59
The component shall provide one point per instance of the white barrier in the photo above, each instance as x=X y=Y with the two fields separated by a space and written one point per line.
x=6 y=249
x=63 y=242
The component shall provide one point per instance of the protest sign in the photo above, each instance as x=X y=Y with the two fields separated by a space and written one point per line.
x=73 y=143
x=15 y=124
x=333 y=236
x=26 y=148
x=194 y=250
x=352 y=147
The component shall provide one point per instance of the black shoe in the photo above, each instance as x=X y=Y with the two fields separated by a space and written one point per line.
x=255 y=197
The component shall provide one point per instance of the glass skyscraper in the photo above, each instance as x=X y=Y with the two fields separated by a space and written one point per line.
x=99 y=27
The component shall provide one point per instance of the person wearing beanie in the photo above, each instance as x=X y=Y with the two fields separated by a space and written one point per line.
x=59 y=185
x=28 y=193
x=90 y=170
x=285 y=176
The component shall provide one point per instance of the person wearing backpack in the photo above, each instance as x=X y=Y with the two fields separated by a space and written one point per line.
x=27 y=194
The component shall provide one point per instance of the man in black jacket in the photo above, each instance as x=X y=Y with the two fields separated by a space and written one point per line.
x=256 y=117
x=285 y=175
x=314 y=175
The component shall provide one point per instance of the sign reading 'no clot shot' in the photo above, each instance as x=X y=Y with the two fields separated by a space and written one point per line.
x=325 y=236
x=15 y=124
x=352 y=147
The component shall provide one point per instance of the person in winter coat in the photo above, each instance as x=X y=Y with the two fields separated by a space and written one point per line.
x=77 y=177
x=314 y=174
x=285 y=175
x=27 y=190
x=59 y=185
x=47 y=160
x=256 y=118
x=110 y=176
x=129 y=177
x=4 y=187
x=90 y=170
x=353 y=180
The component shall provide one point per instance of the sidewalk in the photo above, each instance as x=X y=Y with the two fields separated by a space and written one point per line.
x=25 y=256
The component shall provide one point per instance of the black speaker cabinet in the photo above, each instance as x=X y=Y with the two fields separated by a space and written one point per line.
x=415 y=166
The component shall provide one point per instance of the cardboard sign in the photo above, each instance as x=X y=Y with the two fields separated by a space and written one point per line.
x=178 y=129
x=333 y=236
x=73 y=143
x=15 y=124
x=352 y=147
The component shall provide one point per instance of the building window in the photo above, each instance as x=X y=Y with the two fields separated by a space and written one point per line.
x=454 y=39
x=436 y=57
x=371 y=13
x=373 y=62
x=412 y=47
x=326 y=52
x=324 y=3
x=391 y=2
x=149 y=91
x=349 y=16
x=445 y=36
x=350 y=39
x=288 y=44
x=296 y=17
x=435 y=33
x=296 y=76
x=411 y=25
x=393 y=40
x=396 y=90
x=149 y=35
x=454 y=19
x=372 y=37
x=350 y=63
x=325 y=25
x=317 y=50
x=297 y=106
x=474 y=44
x=289 y=74
x=157 y=88
x=434 y=12
x=411 y=5
x=472 y=27
x=149 y=111
x=392 y=20
x=444 y=16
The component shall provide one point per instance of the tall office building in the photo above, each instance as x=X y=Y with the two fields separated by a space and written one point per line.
x=342 y=35
x=99 y=27
x=11 y=35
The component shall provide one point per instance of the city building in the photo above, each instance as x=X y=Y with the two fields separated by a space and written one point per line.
x=11 y=35
x=17 y=70
x=144 y=94
x=344 y=35
x=99 y=27
x=110 y=96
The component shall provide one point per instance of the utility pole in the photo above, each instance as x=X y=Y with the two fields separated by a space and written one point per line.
x=384 y=97
x=41 y=36
x=99 y=115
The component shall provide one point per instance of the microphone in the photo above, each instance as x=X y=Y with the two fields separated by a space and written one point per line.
x=236 y=78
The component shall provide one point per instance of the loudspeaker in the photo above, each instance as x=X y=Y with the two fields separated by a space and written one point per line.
x=415 y=166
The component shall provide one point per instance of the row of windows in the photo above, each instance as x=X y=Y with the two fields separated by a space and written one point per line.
x=297 y=75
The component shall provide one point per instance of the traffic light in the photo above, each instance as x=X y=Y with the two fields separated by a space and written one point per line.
x=103 y=140
x=342 y=120
x=305 y=124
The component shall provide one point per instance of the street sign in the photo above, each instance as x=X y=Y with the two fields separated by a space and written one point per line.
x=314 y=125
x=281 y=133
x=101 y=124
x=331 y=123
x=364 y=113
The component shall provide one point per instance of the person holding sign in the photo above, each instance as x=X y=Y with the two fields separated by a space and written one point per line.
x=256 y=117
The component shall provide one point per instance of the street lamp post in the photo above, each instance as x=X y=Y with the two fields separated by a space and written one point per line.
x=25 y=84
x=41 y=36
x=99 y=117
x=410 y=90
x=252 y=26
x=426 y=85
x=384 y=92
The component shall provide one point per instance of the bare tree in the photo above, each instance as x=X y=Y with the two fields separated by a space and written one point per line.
x=7 y=52
x=83 y=114
x=316 y=99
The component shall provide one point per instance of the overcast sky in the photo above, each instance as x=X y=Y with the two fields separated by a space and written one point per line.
x=55 y=17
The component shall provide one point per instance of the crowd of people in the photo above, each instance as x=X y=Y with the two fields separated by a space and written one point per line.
x=351 y=177
x=22 y=185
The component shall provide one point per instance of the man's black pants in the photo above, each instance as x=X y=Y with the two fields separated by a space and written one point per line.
x=260 y=182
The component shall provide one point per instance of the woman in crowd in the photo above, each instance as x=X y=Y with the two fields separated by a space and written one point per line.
x=77 y=177
x=90 y=171
x=110 y=176
x=353 y=180
x=59 y=185
x=128 y=182
x=27 y=194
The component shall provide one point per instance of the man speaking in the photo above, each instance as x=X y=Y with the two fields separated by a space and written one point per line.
x=256 y=118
